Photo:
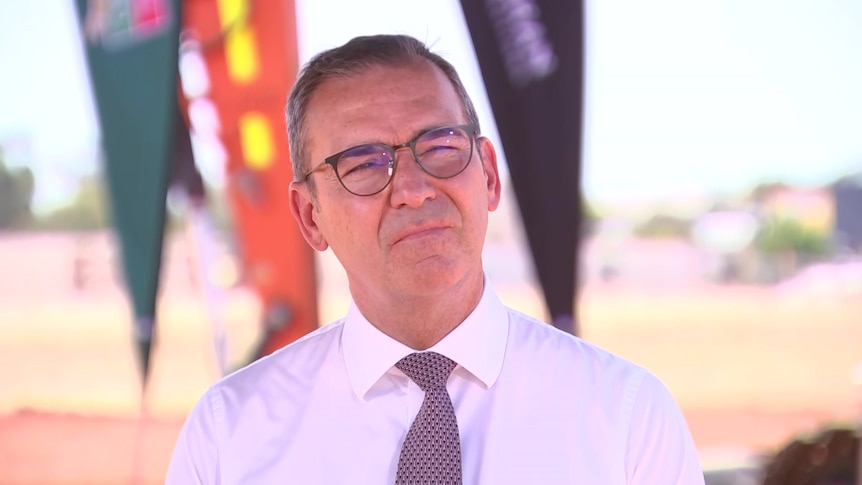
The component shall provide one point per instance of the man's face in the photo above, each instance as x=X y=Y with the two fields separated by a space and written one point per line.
x=420 y=235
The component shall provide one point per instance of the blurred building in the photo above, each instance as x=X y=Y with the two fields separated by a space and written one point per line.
x=812 y=208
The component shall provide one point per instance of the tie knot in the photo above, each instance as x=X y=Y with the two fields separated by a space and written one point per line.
x=428 y=370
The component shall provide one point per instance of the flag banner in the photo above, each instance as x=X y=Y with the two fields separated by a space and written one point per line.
x=530 y=53
x=249 y=51
x=123 y=23
x=135 y=92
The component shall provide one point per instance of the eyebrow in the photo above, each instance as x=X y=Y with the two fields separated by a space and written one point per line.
x=363 y=149
x=420 y=131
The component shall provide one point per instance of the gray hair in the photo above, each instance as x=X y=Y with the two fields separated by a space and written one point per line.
x=351 y=59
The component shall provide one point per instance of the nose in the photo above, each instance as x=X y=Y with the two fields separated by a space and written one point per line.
x=411 y=186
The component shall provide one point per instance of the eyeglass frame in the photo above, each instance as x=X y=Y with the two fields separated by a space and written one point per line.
x=471 y=128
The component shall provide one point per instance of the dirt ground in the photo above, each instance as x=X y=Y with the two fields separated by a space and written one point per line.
x=751 y=368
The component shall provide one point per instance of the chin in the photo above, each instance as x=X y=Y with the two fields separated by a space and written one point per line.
x=434 y=275
x=431 y=274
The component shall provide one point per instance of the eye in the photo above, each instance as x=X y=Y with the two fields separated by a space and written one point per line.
x=352 y=167
x=442 y=141
x=363 y=160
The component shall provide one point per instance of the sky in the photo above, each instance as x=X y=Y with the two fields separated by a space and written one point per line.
x=682 y=97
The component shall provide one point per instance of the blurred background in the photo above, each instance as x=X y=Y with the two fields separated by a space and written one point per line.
x=720 y=242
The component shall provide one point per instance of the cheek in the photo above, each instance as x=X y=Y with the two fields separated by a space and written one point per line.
x=353 y=231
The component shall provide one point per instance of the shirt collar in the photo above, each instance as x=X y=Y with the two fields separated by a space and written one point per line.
x=477 y=344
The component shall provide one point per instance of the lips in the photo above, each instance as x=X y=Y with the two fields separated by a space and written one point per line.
x=415 y=232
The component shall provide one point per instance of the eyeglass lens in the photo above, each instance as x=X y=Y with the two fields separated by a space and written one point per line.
x=441 y=152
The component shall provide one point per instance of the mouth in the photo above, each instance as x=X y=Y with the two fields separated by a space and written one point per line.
x=419 y=232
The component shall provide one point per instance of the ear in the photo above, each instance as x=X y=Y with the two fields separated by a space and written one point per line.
x=304 y=208
x=488 y=157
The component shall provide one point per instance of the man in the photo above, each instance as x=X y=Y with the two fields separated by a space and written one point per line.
x=429 y=378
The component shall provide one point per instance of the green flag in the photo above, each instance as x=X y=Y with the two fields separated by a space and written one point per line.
x=132 y=57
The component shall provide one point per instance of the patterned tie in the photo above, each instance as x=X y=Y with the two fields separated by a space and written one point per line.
x=431 y=453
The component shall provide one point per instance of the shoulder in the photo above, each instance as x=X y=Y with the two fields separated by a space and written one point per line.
x=556 y=348
x=234 y=411
x=635 y=399
x=301 y=359
x=573 y=366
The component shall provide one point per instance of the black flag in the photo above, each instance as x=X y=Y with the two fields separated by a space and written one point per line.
x=531 y=56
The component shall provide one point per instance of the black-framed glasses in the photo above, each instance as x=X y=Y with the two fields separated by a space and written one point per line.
x=364 y=170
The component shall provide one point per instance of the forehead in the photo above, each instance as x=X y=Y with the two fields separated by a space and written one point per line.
x=381 y=103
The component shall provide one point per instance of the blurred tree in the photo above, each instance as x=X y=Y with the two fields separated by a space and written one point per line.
x=589 y=218
x=788 y=235
x=86 y=212
x=16 y=194
x=785 y=246
x=664 y=226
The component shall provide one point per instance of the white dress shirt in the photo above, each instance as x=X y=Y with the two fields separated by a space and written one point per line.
x=534 y=405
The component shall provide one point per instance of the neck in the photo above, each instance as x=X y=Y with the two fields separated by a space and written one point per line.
x=421 y=320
